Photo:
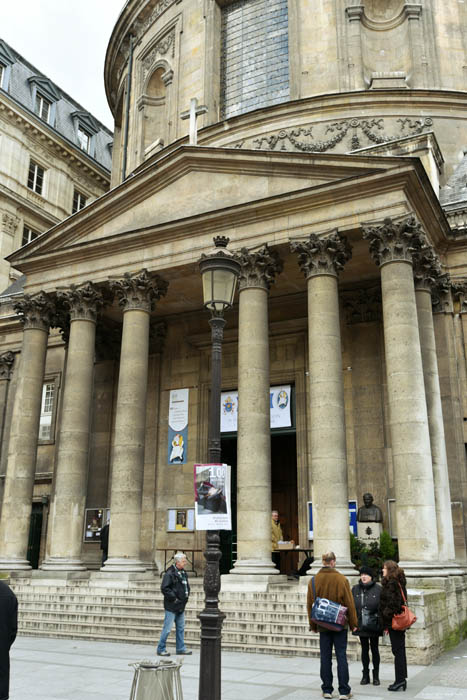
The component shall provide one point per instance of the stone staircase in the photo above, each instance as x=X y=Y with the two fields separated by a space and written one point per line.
x=274 y=622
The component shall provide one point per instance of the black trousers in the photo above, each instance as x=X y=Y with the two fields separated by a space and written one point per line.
x=367 y=643
x=398 y=649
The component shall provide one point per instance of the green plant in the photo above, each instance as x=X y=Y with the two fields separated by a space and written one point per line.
x=375 y=554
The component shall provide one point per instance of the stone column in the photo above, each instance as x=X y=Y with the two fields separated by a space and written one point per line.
x=136 y=294
x=392 y=245
x=6 y=364
x=36 y=315
x=258 y=269
x=321 y=258
x=427 y=274
x=66 y=518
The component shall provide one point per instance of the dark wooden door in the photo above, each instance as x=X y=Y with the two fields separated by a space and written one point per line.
x=35 y=531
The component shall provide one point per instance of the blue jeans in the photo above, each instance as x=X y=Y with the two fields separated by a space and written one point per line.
x=179 y=631
x=338 y=640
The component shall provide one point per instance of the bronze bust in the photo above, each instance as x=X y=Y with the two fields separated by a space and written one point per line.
x=369 y=513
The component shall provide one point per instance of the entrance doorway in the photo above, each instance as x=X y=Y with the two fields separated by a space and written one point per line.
x=283 y=495
x=35 y=532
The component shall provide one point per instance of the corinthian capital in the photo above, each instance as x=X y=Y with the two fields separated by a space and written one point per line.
x=395 y=241
x=83 y=302
x=6 y=364
x=322 y=255
x=442 y=294
x=139 y=291
x=258 y=268
x=36 y=311
x=426 y=269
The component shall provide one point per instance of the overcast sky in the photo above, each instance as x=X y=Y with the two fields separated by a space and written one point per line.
x=67 y=41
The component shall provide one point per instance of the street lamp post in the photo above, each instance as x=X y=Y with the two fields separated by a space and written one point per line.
x=219 y=272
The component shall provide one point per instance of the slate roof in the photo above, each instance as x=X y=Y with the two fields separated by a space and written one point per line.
x=22 y=74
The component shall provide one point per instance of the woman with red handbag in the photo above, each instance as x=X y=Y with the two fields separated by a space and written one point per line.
x=393 y=598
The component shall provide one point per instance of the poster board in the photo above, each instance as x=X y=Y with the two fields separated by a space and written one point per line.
x=212 y=497
x=352 y=518
x=180 y=519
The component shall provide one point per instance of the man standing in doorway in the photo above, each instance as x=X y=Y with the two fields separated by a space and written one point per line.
x=276 y=536
x=331 y=584
x=176 y=590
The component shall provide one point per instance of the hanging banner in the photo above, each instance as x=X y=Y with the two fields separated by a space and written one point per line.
x=212 y=497
x=279 y=405
x=178 y=426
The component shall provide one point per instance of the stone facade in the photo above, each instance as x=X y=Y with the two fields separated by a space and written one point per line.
x=352 y=291
x=39 y=123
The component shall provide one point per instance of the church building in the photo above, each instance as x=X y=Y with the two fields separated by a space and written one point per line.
x=328 y=142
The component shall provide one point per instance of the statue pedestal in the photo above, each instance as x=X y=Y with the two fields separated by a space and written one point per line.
x=369 y=532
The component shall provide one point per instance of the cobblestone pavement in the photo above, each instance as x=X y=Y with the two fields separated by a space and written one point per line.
x=55 y=669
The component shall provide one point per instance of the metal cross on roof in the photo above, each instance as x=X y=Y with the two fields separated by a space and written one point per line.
x=192 y=114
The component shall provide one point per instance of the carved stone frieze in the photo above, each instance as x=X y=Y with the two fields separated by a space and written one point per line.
x=162 y=48
x=426 y=269
x=7 y=360
x=325 y=136
x=322 y=255
x=362 y=305
x=459 y=293
x=395 y=240
x=442 y=294
x=37 y=311
x=139 y=291
x=258 y=268
x=159 y=8
x=9 y=223
x=82 y=302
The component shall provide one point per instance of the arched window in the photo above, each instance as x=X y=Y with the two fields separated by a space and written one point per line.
x=153 y=107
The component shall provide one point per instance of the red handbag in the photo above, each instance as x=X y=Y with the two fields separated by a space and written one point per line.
x=405 y=619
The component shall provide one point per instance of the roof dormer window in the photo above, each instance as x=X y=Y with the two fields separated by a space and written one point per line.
x=84 y=139
x=44 y=98
x=6 y=61
x=42 y=107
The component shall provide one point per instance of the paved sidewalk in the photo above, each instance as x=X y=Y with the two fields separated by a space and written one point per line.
x=54 y=669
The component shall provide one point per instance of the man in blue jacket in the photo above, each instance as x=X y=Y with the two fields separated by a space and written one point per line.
x=176 y=590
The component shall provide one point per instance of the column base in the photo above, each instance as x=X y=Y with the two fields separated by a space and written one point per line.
x=62 y=564
x=122 y=564
x=422 y=569
x=258 y=583
x=344 y=566
x=14 y=564
x=254 y=567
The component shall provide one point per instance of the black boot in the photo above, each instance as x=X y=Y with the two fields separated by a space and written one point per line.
x=398 y=685
x=376 y=676
x=365 y=677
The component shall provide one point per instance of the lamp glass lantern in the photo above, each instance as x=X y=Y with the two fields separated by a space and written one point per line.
x=219 y=272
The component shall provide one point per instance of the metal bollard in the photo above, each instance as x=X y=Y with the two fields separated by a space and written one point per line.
x=157 y=680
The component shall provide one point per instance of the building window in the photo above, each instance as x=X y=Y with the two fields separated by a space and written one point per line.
x=42 y=107
x=79 y=201
x=255 y=55
x=35 y=177
x=47 y=407
x=28 y=235
x=84 y=139
x=2 y=73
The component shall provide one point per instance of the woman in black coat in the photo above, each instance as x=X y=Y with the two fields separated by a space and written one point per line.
x=391 y=602
x=366 y=594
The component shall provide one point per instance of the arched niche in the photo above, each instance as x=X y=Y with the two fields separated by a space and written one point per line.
x=153 y=106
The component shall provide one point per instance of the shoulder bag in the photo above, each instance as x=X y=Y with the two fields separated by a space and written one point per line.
x=326 y=613
x=370 y=619
x=405 y=619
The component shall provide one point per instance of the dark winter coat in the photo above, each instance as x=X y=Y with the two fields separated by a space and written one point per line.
x=391 y=600
x=174 y=590
x=366 y=595
x=8 y=629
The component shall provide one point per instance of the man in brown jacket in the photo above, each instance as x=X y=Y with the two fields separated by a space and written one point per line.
x=330 y=584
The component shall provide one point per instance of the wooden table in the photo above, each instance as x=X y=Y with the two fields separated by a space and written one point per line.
x=170 y=552
x=307 y=552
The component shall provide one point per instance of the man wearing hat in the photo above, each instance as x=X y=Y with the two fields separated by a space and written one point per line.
x=366 y=594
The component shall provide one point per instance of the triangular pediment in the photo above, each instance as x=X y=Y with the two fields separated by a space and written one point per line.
x=195 y=181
